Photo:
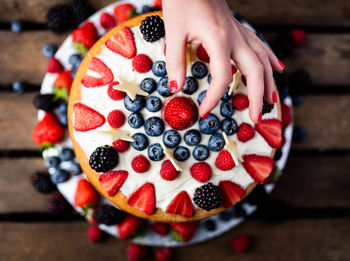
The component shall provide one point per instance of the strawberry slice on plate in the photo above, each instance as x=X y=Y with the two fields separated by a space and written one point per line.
x=123 y=43
x=143 y=198
x=258 y=167
x=128 y=226
x=85 y=118
x=97 y=66
x=181 y=205
x=271 y=130
x=185 y=230
x=111 y=181
x=231 y=193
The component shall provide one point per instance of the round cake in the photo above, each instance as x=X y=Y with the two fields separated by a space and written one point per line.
x=147 y=150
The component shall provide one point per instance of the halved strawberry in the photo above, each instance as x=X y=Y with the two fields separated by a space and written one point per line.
x=86 y=118
x=111 y=181
x=106 y=75
x=123 y=43
x=143 y=198
x=231 y=193
x=48 y=130
x=84 y=37
x=271 y=130
x=258 y=167
x=128 y=226
x=85 y=194
x=186 y=230
x=181 y=205
x=124 y=12
x=64 y=81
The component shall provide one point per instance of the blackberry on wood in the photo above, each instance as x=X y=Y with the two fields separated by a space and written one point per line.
x=208 y=197
x=104 y=158
x=58 y=205
x=42 y=182
x=108 y=215
x=59 y=18
x=152 y=28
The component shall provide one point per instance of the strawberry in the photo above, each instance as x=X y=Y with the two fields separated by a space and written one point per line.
x=121 y=145
x=158 y=3
x=163 y=254
x=115 y=94
x=84 y=37
x=86 y=118
x=94 y=233
x=160 y=228
x=201 y=171
x=298 y=36
x=240 y=102
x=116 y=118
x=128 y=226
x=233 y=69
x=245 y=132
x=85 y=194
x=185 y=230
x=136 y=252
x=143 y=198
x=111 y=181
x=142 y=63
x=241 y=243
x=48 y=130
x=181 y=205
x=286 y=115
x=97 y=66
x=54 y=65
x=181 y=113
x=224 y=161
x=271 y=130
x=123 y=43
x=202 y=54
x=167 y=171
x=140 y=164
x=231 y=193
x=124 y=12
x=63 y=81
x=258 y=167
x=107 y=21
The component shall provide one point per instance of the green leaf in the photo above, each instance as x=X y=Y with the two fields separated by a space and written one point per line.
x=176 y=236
x=60 y=94
x=81 y=47
x=46 y=146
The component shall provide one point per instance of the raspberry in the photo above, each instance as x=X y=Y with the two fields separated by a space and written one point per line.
x=107 y=21
x=142 y=63
x=108 y=215
x=245 y=132
x=208 y=197
x=54 y=66
x=167 y=171
x=121 y=145
x=94 y=234
x=116 y=118
x=163 y=254
x=136 y=252
x=240 y=101
x=224 y=161
x=241 y=243
x=201 y=171
x=115 y=94
x=152 y=28
x=104 y=158
x=140 y=164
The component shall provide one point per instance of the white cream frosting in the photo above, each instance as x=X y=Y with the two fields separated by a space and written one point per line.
x=98 y=99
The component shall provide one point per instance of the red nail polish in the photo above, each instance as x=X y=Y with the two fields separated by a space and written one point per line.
x=283 y=66
x=173 y=86
x=274 y=97
x=205 y=115
x=260 y=117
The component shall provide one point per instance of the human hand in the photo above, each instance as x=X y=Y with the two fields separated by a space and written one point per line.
x=211 y=23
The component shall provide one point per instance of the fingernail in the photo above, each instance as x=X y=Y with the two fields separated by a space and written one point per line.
x=205 y=115
x=260 y=117
x=283 y=66
x=274 y=97
x=173 y=86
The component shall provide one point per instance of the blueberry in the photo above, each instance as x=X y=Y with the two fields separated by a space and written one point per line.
x=154 y=126
x=148 y=85
x=16 y=26
x=216 y=142
x=209 y=225
x=299 y=134
x=226 y=97
x=52 y=162
x=238 y=211
x=278 y=155
x=181 y=153
x=140 y=141
x=227 y=109
x=62 y=108
x=171 y=138
x=59 y=176
x=153 y=104
x=18 y=87
x=155 y=152
x=75 y=60
x=201 y=97
x=226 y=215
x=199 y=70
x=75 y=169
x=135 y=120
x=229 y=126
x=163 y=87
x=209 y=78
x=67 y=154
x=297 y=100
x=73 y=71
x=158 y=68
x=49 y=50
x=62 y=118
x=201 y=152
x=190 y=85
x=209 y=125
x=192 y=137
x=134 y=105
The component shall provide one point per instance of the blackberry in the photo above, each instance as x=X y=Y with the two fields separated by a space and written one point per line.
x=104 y=158
x=42 y=182
x=108 y=215
x=267 y=107
x=59 y=18
x=207 y=197
x=58 y=205
x=152 y=28
x=81 y=10
x=44 y=102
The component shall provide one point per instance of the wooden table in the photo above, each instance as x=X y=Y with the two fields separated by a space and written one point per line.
x=315 y=187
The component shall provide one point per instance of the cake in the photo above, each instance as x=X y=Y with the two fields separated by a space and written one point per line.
x=157 y=165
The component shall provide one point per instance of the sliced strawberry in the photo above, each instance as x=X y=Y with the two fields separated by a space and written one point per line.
x=106 y=75
x=258 y=167
x=85 y=194
x=85 y=118
x=143 y=198
x=158 y=3
x=271 y=130
x=181 y=205
x=231 y=193
x=128 y=226
x=115 y=95
x=202 y=54
x=186 y=230
x=111 y=181
x=123 y=43
x=124 y=12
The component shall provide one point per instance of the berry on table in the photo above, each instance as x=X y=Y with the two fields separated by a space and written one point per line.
x=163 y=254
x=181 y=153
x=140 y=164
x=18 y=87
x=155 y=152
x=227 y=109
x=192 y=137
x=134 y=105
x=154 y=126
x=168 y=171
x=153 y=104
x=94 y=233
x=136 y=252
x=148 y=85
x=152 y=28
x=116 y=118
x=216 y=142
x=224 y=161
x=62 y=114
x=208 y=197
x=48 y=130
x=210 y=124
x=185 y=230
x=163 y=87
x=241 y=243
x=59 y=18
x=84 y=37
x=44 y=102
x=240 y=102
x=16 y=26
x=190 y=86
x=121 y=145
x=107 y=215
x=199 y=70
x=245 y=132
x=57 y=205
x=229 y=126
x=140 y=141
x=171 y=138
x=48 y=50
x=201 y=97
x=158 y=69
x=180 y=113
x=104 y=158
x=135 y=120
x=142 y=63
x=201 y=152
x=42 y=183
x=67 y=154
x=201 y=171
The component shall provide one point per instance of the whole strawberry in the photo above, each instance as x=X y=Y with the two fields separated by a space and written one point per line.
x=241 y=243
x=85 y=194
x=163 y=254
x=185 y=230
x=54 y=65
x=107 y=21
x=48 y=130
x=128 y=227
x=136 y=252
x=84 y=37
x=124 y=12
x=181 y=113
x=62 y=85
